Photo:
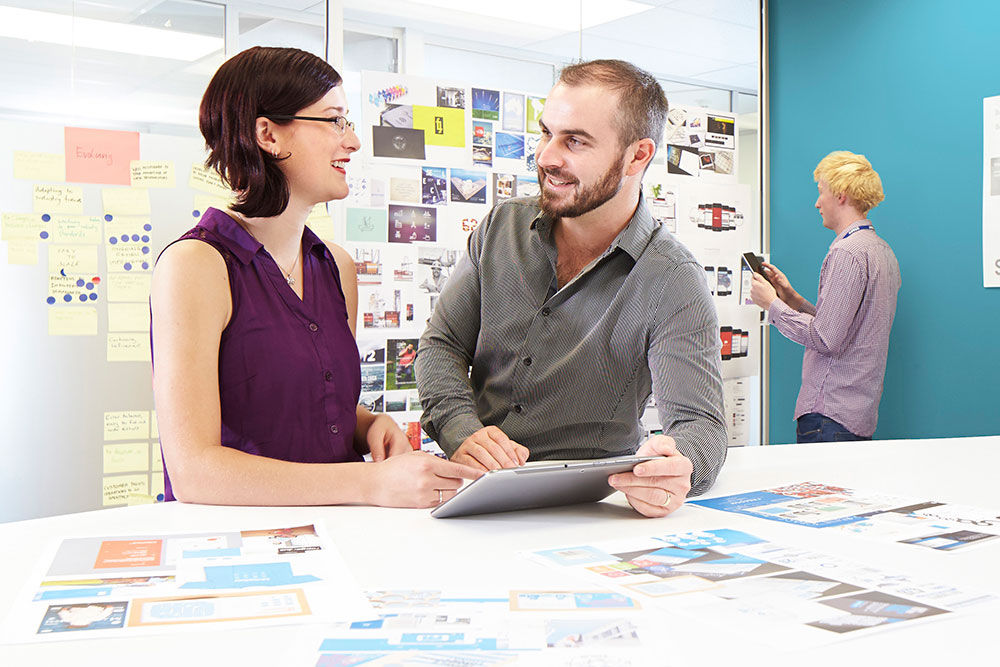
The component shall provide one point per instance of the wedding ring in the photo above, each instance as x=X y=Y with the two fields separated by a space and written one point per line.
x=666 y=503
x=440 y=497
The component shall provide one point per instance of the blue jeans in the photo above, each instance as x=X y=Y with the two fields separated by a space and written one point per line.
x=814 y=427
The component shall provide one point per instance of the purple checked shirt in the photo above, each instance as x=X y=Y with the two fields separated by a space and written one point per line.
x=846 y=334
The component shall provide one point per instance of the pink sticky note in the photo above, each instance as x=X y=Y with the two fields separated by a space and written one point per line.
x=100 y=156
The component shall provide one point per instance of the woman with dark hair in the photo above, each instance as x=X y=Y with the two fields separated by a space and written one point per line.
x=257 y=374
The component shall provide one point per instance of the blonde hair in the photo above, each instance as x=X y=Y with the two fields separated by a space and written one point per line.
x=847 y=173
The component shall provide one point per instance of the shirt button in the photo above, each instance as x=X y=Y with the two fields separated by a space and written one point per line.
x=527 y=361
x=334 y=429
x=328 y=376
x=313 y=326
x=545 y=311
x=518 y=409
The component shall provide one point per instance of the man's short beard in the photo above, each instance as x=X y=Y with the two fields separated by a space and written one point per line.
x=585 y=201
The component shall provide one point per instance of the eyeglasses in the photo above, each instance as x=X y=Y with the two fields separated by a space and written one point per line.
x=340 y=121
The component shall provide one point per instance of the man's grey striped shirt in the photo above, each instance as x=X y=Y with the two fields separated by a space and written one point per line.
x=568 y=372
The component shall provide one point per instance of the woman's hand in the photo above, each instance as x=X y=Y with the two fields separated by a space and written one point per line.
x=386 y=439
x=416 y=479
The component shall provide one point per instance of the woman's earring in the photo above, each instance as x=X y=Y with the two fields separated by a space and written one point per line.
x=275 y=153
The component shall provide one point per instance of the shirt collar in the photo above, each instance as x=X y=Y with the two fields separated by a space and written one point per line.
x=851 y=228
x=246 y=246
x=633 y=239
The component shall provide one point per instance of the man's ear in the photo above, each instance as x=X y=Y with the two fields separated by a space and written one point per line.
x=266 y=137
x=640 y=154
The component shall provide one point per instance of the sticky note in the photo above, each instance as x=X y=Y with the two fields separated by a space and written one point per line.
x=128 y=229
x=72 y=288
x=152 y=173
x=128 y=286
x=139 y=499
x=126 y=425
x=156 y=484
x=31 y=166
x=157 y=463
x=126 y=457
x=129 y=257
x=72 y=321
x=128 y=316
x=57 y=199
x=84 y=229
x=22 y=227
x=154 y=433
x=207 y=180
x=79 y=259
x=100 y=156
x=442 y=126
x=321 y=222
x=203 y=202
x=126 y=201
x=24 y=253
x=129 y=347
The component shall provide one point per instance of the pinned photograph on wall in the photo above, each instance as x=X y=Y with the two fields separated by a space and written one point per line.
x=722 y=160
x=398 y=142
x=368 y=265
x=372 y=401
x=720 y=131
x=412 y=223
x=402 y=268
x=366 y=224
x=527 y=185
x=663 y=207
x=486 y=104
x=435 y=265
x=707 y=160
x=381 y=309
x=405 y=190
x=395 y=401
x=372 y=352
x=434 y=185
x=400 y=355
x=530 y=148
x=372 y=377
x=683 y=160
x=504 y=187
x=450 y=96
x=396 y=115
x=534 y=113
x=513 y=112
x=482 y=133
x=482 y=156
x=510 y=146
x=442 y=126
x=468 y=186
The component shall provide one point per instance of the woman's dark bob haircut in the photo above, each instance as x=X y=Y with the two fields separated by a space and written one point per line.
x=258 y=82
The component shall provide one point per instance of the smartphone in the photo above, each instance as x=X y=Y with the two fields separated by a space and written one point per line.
x=755 y=262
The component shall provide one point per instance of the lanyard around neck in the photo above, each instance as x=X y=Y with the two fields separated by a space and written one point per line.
x=857 y=229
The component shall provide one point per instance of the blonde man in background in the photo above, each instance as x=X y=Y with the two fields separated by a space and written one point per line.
x=846 y=334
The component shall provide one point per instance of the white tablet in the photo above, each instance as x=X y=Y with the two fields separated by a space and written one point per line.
x=541 y=484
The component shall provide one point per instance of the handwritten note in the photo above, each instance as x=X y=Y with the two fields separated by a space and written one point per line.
x=126 y=457
x=129 y=347
x=24 y=253
x=117 y=489
x=126 y=425
x=71 y=288
x=126 y=201
x=30 y=166
x=100 y=156
x=404 y=190
x=77 y=259
x=129 y=286
x=22 y=227
x=128 y=257
x=76 y=229
x=57 y=199
x=72 y=321
x=128 y=317
x=207 y=180
x=128 y=229
x=152 y=174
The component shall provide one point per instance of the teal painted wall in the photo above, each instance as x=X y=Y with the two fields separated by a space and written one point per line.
x=902 y=82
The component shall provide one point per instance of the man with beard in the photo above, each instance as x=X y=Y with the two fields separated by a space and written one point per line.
x=573 y=307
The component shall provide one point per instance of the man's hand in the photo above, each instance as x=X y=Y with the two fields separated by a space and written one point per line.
x=782 y=287
x=761 y=292
x=385 y=439
x=489 y=448
x=656 y=488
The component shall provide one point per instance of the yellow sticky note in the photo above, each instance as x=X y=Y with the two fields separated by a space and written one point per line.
x=53 y=199
x=23 y=227
x=129 y=347
x=139 y=499
x=78 y=259
x=126 y=425
x=129 y=286
x=206 y=180
x=22 y=252
x=128 y=316
x=31 y=166
x=203 y=202
x=72 y=288
x=128 y=257
x=76 y=229
x=126 y=201
x=157 y=464
x=442 y=126
x=126 y=457
x=72 y=321
x=321 y=222
x=152 y=174
x=156 y=485
x=117 y=489
x=154 y=431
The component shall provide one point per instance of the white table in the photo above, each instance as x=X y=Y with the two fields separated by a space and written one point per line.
x=399 y=549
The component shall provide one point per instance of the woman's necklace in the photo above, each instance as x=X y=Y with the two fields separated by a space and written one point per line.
x=288 y=274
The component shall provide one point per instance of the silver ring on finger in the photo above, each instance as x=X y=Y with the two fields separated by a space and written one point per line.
x=440 y=497
x=666 y=503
